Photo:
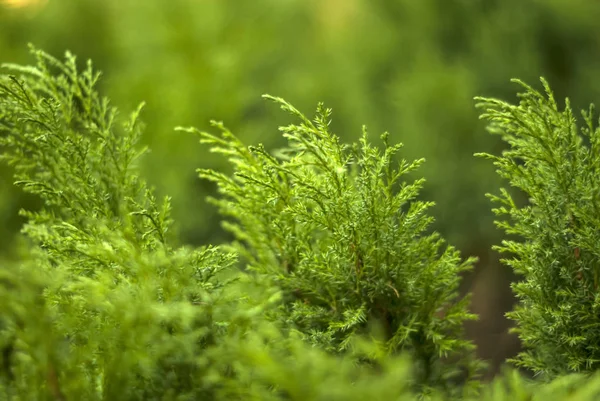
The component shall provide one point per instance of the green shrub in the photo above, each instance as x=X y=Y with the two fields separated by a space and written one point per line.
x=557 y=166
x=118 y=299
x=343 y=293
x=108 y=307
x=338 y=229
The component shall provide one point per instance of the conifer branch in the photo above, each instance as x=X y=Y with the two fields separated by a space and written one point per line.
x=554 y=163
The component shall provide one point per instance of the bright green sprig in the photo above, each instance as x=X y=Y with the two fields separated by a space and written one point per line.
x=339 y=229
x=557 y=166
x=69 y=146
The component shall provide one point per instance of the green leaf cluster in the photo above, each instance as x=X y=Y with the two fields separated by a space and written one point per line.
x=108 y=301
x=555 y=165
x=339 y=230
x=105 y=304
x=335 y=288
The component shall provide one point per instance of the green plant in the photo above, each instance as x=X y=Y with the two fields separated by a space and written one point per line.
x=104 y=304
x=338 y=228
x=118 y=299
x=557 y=166
x=343 y=295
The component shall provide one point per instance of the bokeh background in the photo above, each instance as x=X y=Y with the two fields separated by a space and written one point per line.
x=410 y=67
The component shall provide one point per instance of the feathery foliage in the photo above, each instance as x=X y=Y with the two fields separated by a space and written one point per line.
x=118 y=298
x=105 y=305
x=338 y=228
x=557 y=165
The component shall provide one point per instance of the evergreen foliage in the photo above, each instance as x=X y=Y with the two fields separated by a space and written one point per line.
x=557 y=166
x=344 y=293
x=105 y=306
x=101 y=247
x=512 y=386
x=338 y=228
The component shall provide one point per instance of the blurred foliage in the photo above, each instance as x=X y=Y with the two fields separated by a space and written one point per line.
x=409 y=67
x=104 y=306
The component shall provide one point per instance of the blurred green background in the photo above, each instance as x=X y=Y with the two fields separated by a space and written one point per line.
x=410 y=67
